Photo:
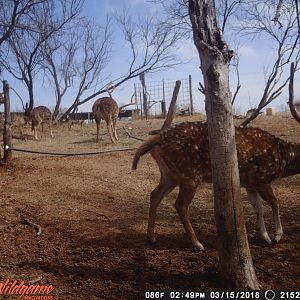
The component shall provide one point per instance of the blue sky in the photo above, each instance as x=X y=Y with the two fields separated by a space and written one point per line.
x=255 y=56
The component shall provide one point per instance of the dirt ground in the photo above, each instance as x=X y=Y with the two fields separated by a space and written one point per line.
x=93 y=211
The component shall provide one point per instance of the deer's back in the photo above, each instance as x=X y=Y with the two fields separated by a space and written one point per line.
x=106 y=107
x=41 y=113
x=185 y=150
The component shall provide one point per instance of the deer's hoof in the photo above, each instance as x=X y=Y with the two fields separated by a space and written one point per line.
x=266 y=238
x=152 y=240
x=277 y=238
x=198 y=246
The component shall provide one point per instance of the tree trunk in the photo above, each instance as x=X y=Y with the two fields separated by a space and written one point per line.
x=235 y=262
x=31 y=97
x=7 y=134
x=57 y=106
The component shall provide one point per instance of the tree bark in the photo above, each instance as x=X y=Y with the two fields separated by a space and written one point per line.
x=235 y=261
x=7 y=134
x=31 y=98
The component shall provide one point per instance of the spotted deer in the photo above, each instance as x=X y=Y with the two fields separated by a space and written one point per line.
x=38 y=116
x=107 y=108
x=182 y=155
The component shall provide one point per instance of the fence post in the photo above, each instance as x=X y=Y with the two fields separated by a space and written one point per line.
x=191 y=94
x=141 y=106
x=145 y=97
x=137 y=116
x=7 y=135
x=163 y=102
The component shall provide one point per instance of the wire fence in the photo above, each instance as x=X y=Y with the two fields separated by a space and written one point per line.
x=153 y=98
x=158 y=96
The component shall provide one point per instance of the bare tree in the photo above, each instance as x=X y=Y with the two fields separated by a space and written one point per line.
x=177 y=16
x=227 y=9
x=58 y=65
x=235 y=65
x=77 y=59
x=15 y=14
x=235 y=262
x=151 y=48
x=24 y=59
x=257 y=19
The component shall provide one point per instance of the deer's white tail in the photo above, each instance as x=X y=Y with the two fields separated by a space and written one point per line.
x=145 y=148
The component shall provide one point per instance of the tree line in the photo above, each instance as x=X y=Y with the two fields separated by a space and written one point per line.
x=54 y=38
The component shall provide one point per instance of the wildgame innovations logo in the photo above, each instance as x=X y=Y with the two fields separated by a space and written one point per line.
x=20 y=290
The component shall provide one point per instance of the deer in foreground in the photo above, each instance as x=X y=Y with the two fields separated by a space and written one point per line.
x=38 y=116
x=107 y=108
x=182 y=155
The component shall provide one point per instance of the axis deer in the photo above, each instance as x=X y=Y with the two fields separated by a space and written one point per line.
x=182 y=155
x=107 y=108
x=38 y=116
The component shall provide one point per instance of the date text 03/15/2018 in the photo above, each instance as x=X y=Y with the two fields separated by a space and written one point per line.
x=210 y=295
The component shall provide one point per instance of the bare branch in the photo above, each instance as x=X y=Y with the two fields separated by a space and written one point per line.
x=226 y=9
x=201 y=88
x=285 y=39
x=15 y=15
x=30 y=223
x=235 y=64
x=277 y=14
x=25 y=45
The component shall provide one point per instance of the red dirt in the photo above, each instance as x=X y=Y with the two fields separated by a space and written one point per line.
x=94 y=210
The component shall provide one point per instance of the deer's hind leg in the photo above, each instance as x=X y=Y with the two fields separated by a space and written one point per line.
x=266 y=192
x=50 y=128
x=35 y=133
x=34 y=125
x=98 y=121
x=256 y=201
x=114 y=122
x=186 y=194
x=165 y=186
x=110 y=130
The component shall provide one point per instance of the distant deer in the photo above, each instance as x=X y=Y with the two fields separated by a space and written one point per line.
x=38 y=116
x=182 y=155
x=107 y=108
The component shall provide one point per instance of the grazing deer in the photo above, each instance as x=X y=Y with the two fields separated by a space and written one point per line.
x=38 y=116
x=182 y=155
x=107 y=108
